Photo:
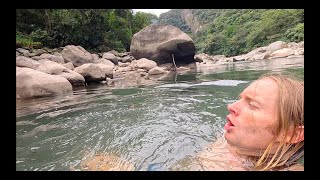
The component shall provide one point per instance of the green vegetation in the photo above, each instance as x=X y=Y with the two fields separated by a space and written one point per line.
x=236 y=31
x=94 y=29
x=225 y=31
x=173 y=17
x=25 y=41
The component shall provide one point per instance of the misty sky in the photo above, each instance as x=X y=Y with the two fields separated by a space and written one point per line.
x=152 y=11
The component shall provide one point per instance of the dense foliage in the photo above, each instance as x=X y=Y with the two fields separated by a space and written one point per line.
x=173 y=17
x=224 y=31
x=236 y=31
x=93 y=29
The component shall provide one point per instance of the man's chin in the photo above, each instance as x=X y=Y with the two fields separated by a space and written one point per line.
x=227 y=136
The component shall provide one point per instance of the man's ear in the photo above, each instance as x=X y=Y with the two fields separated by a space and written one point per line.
x=298 y=135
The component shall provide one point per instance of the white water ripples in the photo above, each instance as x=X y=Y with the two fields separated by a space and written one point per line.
x=157 y=128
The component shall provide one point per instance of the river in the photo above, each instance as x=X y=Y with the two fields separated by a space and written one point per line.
x=135 y=128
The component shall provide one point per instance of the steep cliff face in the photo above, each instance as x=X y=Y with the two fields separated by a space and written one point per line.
x=191 y=20
x=188 y=20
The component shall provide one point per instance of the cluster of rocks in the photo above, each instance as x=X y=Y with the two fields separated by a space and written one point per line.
x=45 y=72
x=278 y=49
x=156 y=52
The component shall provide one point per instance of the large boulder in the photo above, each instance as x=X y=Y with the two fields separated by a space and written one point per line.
x=282 y=53
x=159 y=42
x=54 y=68
x=32 y=83
x=109 y=56
x=276 y=46
x=104 y=61
x=106 y=69
x=57 y=57
x=91 y=72
x=22 y=61
x=77 y=55
x=143 y=63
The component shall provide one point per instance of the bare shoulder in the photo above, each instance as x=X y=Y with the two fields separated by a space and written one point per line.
x=295 y=167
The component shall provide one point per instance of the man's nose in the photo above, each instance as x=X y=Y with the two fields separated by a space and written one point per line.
x=233 y=109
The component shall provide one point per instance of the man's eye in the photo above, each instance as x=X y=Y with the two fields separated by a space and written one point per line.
x=252 y=105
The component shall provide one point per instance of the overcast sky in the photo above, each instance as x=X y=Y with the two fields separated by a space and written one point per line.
x=152 y=11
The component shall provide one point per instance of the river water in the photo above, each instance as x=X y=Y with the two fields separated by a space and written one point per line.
x=139 y=128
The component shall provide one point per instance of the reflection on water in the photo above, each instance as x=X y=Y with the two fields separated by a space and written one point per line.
x=215 y=157
x=277 y=64
x=160 y=127
x=100 y=162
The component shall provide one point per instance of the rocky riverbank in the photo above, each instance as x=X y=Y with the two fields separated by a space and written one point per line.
x=47 y=72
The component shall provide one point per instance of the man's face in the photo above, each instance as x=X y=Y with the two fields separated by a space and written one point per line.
x=252 y=118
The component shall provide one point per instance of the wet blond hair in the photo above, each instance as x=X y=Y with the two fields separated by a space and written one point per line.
x=290 y=114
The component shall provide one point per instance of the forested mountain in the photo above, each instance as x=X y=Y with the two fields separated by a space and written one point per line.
x=236 y=31
x=93 y=29
x=215 y=31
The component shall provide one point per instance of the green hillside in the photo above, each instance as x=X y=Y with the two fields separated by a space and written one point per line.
x=235 y=31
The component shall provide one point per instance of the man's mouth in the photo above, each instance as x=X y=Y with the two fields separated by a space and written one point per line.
x=229 y=121
x=228 y=126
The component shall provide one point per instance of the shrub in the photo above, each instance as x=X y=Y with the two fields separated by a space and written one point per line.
x=295 y=34
x=26 y=41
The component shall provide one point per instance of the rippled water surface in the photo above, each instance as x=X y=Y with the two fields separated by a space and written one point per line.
x=147 y=128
